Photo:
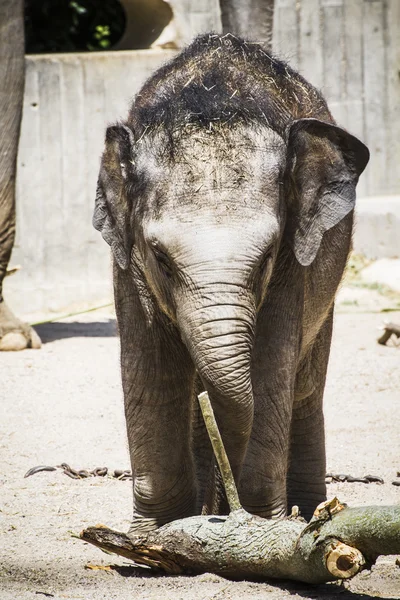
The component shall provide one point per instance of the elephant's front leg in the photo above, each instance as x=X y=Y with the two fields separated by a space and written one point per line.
x=307 y=466
x=263 y=484
x=157 y=378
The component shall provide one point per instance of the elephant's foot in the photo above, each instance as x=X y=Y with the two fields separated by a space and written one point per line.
x=150 y=516
x=15 y=334
x=141 y=526
x=306 y=496
x=268 y=511
x=263 y=496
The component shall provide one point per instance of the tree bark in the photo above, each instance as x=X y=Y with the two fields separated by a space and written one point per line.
x=336 y=544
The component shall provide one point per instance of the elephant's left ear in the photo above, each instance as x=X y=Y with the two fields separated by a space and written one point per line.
x=324 y=164
x=112 y=212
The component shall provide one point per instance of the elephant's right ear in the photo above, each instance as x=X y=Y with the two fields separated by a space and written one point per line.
x=113 y=209
x=325 y=163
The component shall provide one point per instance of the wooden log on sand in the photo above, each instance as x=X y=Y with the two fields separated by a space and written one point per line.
x=337 y=543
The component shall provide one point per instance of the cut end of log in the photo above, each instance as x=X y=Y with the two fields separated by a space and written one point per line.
x=344 y=561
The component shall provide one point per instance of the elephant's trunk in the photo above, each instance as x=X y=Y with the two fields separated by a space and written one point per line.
x=218 y=332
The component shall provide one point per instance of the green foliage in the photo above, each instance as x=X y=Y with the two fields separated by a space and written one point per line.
x=72 y=25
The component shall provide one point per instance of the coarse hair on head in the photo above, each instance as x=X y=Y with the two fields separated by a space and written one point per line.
x=222 y=79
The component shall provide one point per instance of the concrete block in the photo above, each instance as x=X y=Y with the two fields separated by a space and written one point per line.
x=69 y=101
x=377 y=227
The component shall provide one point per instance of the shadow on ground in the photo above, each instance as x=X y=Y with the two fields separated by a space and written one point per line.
x=50 y=332
x=326 y=592
x=318 y=592
x=58 y=578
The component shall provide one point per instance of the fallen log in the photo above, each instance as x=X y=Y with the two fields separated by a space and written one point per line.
x=242 y=546
x=337 y=543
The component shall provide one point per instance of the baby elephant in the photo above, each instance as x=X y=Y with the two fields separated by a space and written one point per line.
x=227 y=198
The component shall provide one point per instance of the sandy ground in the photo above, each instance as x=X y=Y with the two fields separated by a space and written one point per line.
x=64 y=404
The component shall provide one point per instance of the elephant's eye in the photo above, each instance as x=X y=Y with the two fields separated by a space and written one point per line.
x=163 y=261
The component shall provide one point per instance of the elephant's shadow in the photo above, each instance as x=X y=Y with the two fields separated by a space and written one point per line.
x=50 y=332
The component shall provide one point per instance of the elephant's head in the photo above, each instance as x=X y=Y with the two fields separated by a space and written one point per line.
x=200 y=215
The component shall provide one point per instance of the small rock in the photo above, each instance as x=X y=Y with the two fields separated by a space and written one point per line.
x=13 y=341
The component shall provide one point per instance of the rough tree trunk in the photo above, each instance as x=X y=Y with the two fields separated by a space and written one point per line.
x=337 y=543
x=242 y=546
x=14 y=335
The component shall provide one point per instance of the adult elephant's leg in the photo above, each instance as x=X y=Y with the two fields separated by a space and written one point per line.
x=14 y=334
x=157 y=379
x=275 y=356
x=249 y=19
x=306 y=476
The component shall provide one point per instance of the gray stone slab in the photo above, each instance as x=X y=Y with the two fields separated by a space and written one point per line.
x=385 y=271
x=377 y=227
x=69 y=101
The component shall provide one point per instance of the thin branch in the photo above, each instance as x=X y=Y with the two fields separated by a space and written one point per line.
x=219 y=451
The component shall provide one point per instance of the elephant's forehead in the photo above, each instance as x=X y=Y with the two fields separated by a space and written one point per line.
x=219 y=165
x=233 y=237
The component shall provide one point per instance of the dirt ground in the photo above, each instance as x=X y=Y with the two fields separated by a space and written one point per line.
x=64 y=404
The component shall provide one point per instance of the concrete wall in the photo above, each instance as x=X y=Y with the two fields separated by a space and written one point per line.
x=195 y=16
x=69 y=100
x=377 y=227
x=351 y=50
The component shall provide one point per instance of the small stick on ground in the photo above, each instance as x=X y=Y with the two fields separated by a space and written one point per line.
x=389 y=329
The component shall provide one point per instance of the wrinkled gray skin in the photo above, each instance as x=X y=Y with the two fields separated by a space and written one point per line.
x=14 y=334
x=227 y=259
x=249 y=19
